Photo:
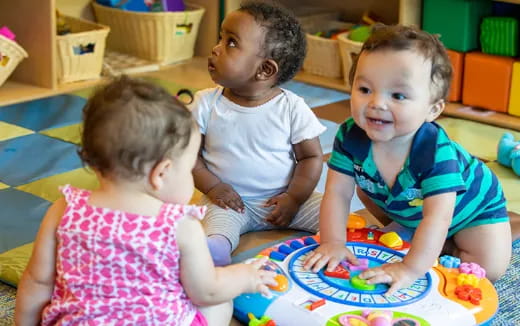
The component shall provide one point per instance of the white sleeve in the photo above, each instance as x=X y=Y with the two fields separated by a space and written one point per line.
x=304 y=123
x=200 y=110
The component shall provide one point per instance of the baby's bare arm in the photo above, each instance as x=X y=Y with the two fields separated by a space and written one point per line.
x=309 y=163
x=37 y=283
x=425 y=247
x=207 y=285
x=431 y=233
x=204 y=179
x=334 y=211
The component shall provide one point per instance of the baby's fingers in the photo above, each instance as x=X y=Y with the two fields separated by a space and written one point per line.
x=258 y=263
x=376 y=276
x=268 y=278
x=221 y=203
x=394 y=287
x=264 y=291
x=235 y=204
x=317 y=261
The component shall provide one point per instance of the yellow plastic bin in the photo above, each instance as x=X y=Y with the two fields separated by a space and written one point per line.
x=163 y=37
x=11 y=54
x=348 y=49
x=80 y=53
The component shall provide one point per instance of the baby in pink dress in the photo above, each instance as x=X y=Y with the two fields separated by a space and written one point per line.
x=132 y=252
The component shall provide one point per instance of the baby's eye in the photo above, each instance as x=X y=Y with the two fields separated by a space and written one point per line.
x=364 y=90
x=232 y=43
x=398 y=96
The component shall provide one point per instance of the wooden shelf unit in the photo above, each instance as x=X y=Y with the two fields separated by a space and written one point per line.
x=34 y=23
x=35 y=29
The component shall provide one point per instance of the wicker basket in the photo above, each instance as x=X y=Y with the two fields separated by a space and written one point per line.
x=11 y=53
x=163 y=37
x=348 y=48
x=323 y=57
x=80 y=53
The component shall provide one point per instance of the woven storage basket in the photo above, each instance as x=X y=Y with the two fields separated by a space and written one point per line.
x=74 y=63
x=323 y=57
x=163 y=37
x=348 y=48
x=12 y=53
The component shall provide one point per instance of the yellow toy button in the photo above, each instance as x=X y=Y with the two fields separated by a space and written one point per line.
x=391 y=240
x=282 y=283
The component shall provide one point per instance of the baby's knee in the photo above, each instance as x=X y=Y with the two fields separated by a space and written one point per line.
x=495 y=268
x=218 y=315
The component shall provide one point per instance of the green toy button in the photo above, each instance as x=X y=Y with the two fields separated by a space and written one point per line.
x=361 y=284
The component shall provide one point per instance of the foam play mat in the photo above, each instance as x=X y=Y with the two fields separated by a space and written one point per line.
x=38 y=146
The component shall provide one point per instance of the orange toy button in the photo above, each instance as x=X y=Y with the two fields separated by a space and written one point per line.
x=282 y=283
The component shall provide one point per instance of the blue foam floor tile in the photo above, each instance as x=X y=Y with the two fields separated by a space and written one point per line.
x=20 y=217
x=29 y=158
x=315 y=96
x=327 y=137
x=52 y=112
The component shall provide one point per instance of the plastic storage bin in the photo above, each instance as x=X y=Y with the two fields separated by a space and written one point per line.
x=80 y=53
x=11 y=54
x=323 y=57
x=348 y=49
x=163 y=37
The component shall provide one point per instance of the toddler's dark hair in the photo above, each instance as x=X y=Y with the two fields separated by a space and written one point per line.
x=285 y=40
x=130 y=125
x=400 y=37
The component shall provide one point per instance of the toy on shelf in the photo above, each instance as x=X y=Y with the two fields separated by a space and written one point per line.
x=509 y=152
x=458 y=294
x=11 y=53
x=487 y=81
x=7 y=33
x=145 y=5
x=499 y=35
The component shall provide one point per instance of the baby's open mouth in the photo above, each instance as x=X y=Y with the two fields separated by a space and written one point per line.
x=379 y=121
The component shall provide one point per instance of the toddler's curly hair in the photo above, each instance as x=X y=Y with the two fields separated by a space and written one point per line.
x=285 y=40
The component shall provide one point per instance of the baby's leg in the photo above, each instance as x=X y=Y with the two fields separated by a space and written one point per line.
x=218 y=315
x=377 y=212
x=515 y=225
x=307 y=218
x=223 y=227
x=488 y=245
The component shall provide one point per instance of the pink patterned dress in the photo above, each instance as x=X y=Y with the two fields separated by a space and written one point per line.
x=118 y=268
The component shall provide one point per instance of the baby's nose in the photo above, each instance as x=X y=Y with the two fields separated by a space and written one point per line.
x=377 y=102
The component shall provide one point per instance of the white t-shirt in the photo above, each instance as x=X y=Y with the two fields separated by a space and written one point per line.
x=250 y=148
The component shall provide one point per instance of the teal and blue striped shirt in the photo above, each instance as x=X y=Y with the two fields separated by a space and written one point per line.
x=435 y=165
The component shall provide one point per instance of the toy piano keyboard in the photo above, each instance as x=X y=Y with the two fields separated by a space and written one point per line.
x=449 y=294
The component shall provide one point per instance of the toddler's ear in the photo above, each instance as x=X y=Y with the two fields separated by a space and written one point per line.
x=158 y=174
x=267 y=70
x=436 y=110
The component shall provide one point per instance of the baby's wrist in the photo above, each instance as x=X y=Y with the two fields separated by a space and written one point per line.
x=212 y=187
x=293 y=198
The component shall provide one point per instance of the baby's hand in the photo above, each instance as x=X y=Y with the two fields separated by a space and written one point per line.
x=224 y=196
x=260 y=278
x=330 y=254
x=398 y=275
x=285 y=209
